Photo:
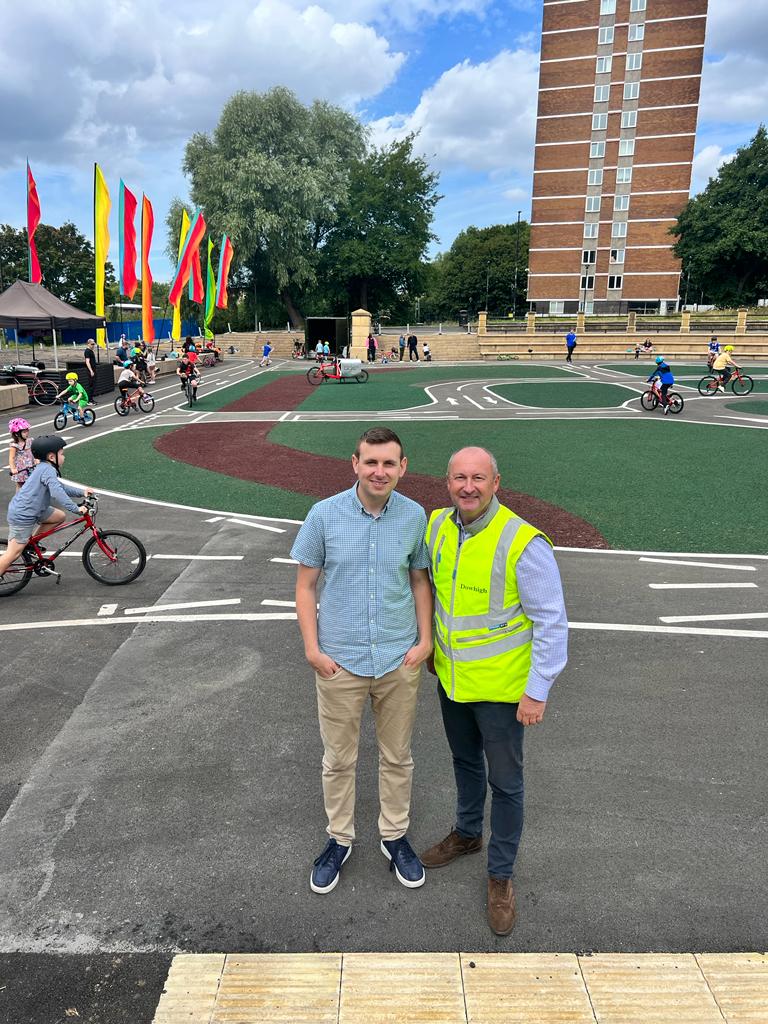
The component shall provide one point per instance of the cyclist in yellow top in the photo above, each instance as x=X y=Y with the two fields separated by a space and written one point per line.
x=722 y=366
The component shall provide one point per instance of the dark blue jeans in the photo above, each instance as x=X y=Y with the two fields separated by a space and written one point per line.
x=476 y=732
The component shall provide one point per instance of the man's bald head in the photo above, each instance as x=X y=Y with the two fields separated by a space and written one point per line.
x=475 y=452
x=473 y=479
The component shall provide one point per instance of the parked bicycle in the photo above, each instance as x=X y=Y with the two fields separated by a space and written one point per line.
x=740 y=383
x=135 y=400
x=86 y=416
x=651 y=399
x=111 y=557
x=332 y=371
x=43 y=392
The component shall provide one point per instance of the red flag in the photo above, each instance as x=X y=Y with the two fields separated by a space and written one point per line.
x=33 y=219
x=196 y=290
x=191 y=245
x=225 y=259
x=128 y=279
x=147 y=227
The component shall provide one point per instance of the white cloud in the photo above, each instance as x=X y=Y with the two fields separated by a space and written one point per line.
x=706 y=164
x=737 y=26
x=477 y=116
x=735 y=89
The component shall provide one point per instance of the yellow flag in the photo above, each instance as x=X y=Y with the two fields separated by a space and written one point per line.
x=176 y=327
x=101 y=208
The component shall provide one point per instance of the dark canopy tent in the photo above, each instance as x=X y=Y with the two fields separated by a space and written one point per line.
x=30 y=307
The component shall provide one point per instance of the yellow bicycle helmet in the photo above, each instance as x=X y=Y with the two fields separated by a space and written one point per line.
x=728 y=348
x=71 y=376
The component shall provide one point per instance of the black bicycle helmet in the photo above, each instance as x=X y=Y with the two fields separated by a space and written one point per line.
x=42 y=446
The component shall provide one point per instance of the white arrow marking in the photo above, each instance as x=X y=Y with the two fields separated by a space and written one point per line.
x=452 y=401
x=491 y=400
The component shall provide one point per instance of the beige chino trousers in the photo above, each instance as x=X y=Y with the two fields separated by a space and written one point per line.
x=340 y=702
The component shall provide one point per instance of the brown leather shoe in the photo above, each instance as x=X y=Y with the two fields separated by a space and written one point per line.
x=454 y=845
x=502 y=912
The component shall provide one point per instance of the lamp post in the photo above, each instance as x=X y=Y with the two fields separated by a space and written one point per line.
x=487 y=284
x=517 y=256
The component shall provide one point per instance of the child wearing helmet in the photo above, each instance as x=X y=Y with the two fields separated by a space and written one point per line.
x=34 y=502
x=722 y=366
x=127 y=380
x=21 y=461
x=666 y=378
x=187 y=371
x=74 y=392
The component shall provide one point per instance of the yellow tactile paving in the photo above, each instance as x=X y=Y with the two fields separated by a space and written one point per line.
x=523 y=988
x=401 y=988
x=443 y=988
x=739 y=983
x=648 y=988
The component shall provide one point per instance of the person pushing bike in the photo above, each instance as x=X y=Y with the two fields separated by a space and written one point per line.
x=722 y=366
x=666 y=380
x=34 y=503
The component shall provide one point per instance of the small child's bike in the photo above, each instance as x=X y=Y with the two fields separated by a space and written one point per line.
x=134 y=400
x=109 y=556
x=86 y=415
x=651 y=399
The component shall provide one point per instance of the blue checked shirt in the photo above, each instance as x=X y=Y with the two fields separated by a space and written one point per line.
x=367 y=618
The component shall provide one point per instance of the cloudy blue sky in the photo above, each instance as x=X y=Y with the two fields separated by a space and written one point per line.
x=126 y=82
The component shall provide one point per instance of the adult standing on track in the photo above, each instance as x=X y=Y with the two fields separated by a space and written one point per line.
x=90 y=369
x=570 y=345
x=368 y=641
x=413 y=348
x=501 y=637
x=372 y=345
x=401 y=346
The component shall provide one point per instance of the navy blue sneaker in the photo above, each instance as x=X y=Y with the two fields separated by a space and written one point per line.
x=325 y=873
x=404 y=862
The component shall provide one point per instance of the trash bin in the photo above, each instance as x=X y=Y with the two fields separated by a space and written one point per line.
x=351 y=367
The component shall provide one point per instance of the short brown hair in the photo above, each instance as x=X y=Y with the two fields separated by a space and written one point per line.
x=379 y=435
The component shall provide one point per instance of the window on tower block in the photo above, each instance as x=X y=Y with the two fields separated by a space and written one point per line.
x=619 y=229
x=636 y=5
x=587 y=282
x=629 y=119
x=595 y=177
x=599 y=122
x=626 y=147
x=631 y=90
x=617 y=255
x=588 y=256
x=621 y=202
x=607 y=6
x=602 y=93
x=636 y=32
x=634 y=61
x=623 y=175
x=593 y=204
x=603 y=65
x=615 y=281
x=590 y=230
x=605 y=34
x=597 y=150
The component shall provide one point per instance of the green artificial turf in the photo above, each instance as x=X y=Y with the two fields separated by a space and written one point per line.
x=218 y=399
x=748 y=406
x=394 y=388
x=644 y=368
x=568 y=395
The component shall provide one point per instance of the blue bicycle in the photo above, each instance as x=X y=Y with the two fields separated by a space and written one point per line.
x=85 y=416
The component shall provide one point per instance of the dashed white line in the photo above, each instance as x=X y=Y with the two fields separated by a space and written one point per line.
x=179 y=605
x=107 y=609
x=280 y=604
x=702 y=565
x=714 y=618
x=634 y=627
x=202 y=558
x=701 y=586
x=257 y=526
x=6 y=627
x=285 y=561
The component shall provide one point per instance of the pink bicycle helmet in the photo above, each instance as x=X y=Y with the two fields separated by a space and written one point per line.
x=17 y=425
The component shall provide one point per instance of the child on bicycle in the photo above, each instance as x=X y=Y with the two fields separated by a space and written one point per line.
x=128 y=380
x=666 y=379
x=74 y=392
x=34 y=503
x=187 y=371
x=713 y=350
x=21 y=461
x=722 y=366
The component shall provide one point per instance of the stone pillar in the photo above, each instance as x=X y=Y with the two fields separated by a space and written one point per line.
x=685 y=323
x=631 y=322
x=580 y=323
x=741 y=321
x=530 y=327
x=482 y=323
x=361 y=328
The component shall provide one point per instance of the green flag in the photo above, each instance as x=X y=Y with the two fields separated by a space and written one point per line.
x=210 y=292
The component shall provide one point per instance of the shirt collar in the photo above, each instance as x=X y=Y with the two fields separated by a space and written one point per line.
x=359 y=507
x=480 y=523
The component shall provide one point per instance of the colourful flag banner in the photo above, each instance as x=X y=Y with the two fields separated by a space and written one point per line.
x=101 y=207
x=33 y=219
x=196 y=290
x=147 y=227
x=176 y=325
x=128 y=280
x=210 y=292
x=225 y=261
x=183 y=270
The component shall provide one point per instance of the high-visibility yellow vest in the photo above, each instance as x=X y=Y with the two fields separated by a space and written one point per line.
x=482 y=636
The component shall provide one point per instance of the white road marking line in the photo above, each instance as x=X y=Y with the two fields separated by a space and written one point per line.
x=202 y=558
x=701 y=586
x=215 y=519
x=741 y=419
x=634 y=627
x=281 y=604
x=285 y=561
x=713 y=618
x=179 y=605
x=477 y=404
x=488 y=398
x=667 y=554
x=107 y=609
x=6 y=627
x=257 y=526
x=702 y=565
x=284 y=416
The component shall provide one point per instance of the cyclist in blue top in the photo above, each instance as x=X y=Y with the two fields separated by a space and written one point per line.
x=666 y=378
x=714 y=351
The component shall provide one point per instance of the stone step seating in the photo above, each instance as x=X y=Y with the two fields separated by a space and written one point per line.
x=601 y=348
x=442 y=346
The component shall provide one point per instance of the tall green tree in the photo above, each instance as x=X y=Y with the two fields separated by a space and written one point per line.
x=66 y=261
x=722 y=234
x=479 y=271
x=375 y=252
x=273 y=176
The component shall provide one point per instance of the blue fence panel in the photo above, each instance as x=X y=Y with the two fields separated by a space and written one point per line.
x=130 y=328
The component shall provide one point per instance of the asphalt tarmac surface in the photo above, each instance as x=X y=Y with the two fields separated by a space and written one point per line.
x=160 y=774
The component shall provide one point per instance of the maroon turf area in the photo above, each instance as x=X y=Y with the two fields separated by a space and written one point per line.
x=249 y=455
x=280 y=394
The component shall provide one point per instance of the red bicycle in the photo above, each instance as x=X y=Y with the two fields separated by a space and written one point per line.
x=110 y=556
x=136 y=400
x=651 y=399
x=332 y=371
x=741 y=384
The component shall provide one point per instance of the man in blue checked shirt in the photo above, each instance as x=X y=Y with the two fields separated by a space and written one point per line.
x=368 y=640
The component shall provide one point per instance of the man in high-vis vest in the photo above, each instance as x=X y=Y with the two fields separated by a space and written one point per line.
x=500 y=641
